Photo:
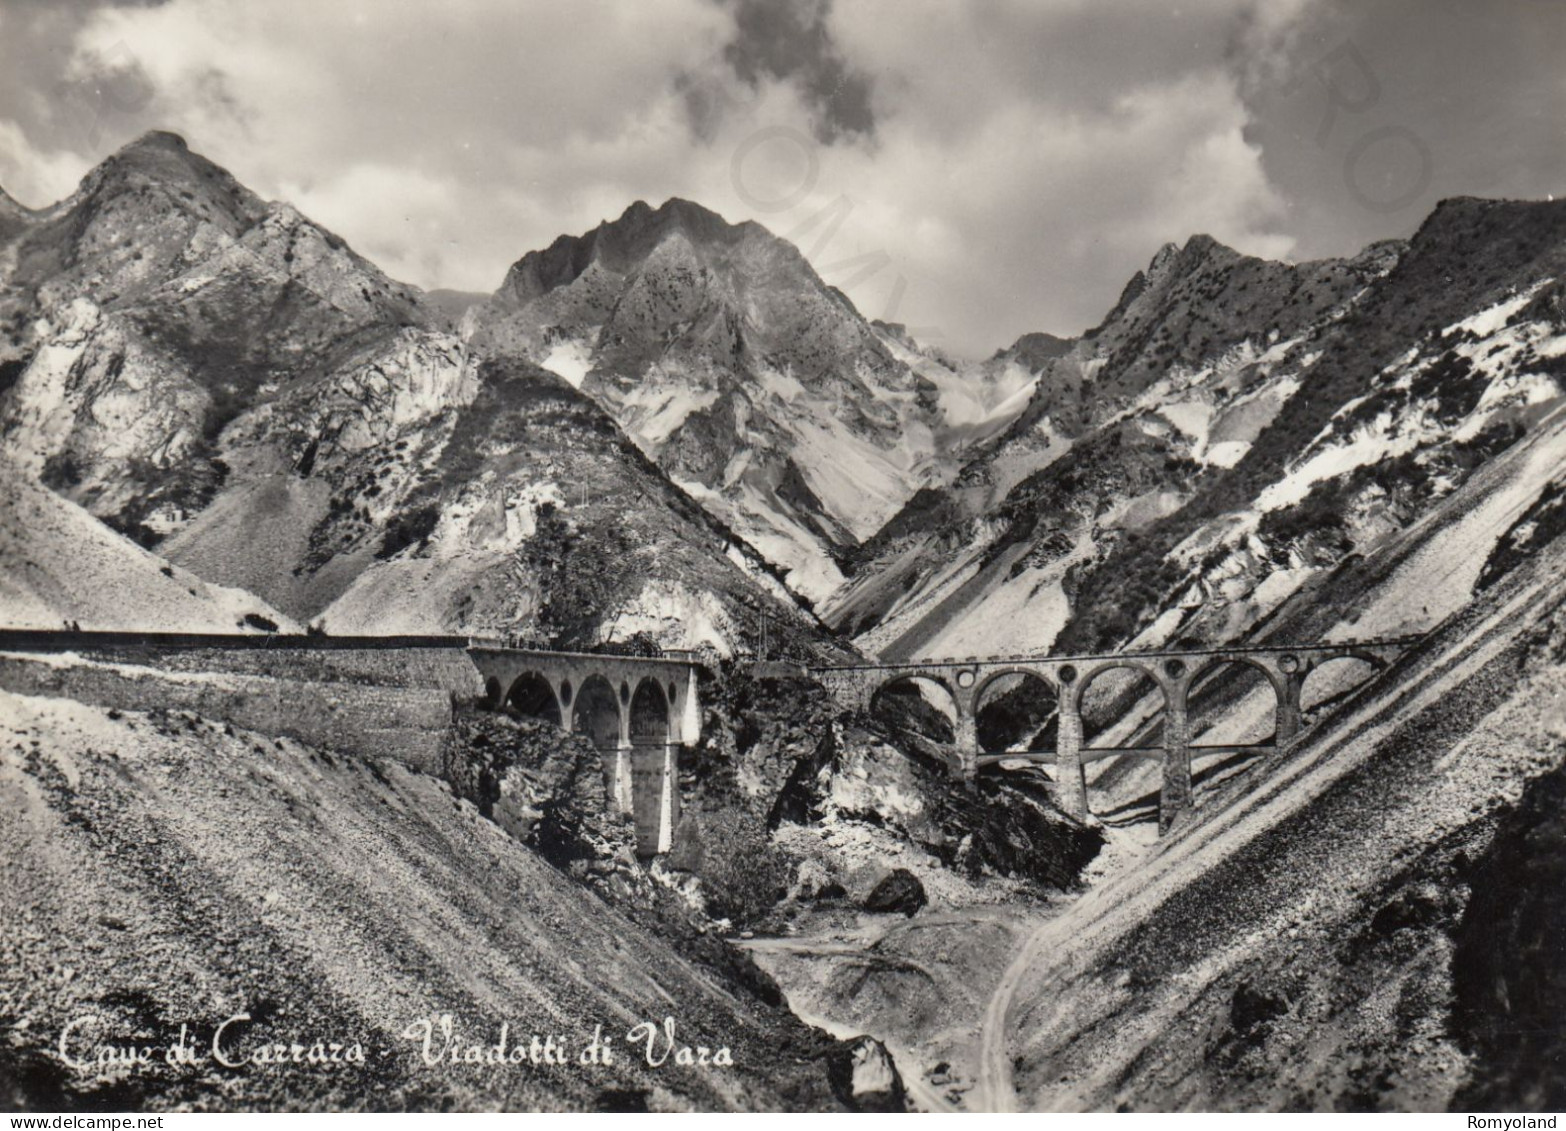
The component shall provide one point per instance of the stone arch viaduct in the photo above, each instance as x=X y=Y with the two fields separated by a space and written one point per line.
x=1176 y=674
x=637 y=710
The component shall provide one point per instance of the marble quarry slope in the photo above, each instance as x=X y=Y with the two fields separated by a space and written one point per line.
x=234 y=388
x=1359 y=923
x=758 y=387
x=1233 y=429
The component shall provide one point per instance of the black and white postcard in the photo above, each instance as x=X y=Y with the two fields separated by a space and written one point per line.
x=782 y=556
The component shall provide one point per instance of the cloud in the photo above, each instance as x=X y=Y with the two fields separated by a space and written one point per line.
x=784 y=42
x=1383 y=109
x=406 y=215
x=54 y=92
x=983 y=169
x=1030 y=158
x=32 y=175
x=1035 y=221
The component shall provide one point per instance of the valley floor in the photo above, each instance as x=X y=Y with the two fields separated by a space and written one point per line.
x=926 y=986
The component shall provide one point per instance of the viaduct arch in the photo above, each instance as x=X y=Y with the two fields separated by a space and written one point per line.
x=637 y=710
x=1012 y=706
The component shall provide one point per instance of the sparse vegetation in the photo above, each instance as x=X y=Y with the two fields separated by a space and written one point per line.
x=410 y=528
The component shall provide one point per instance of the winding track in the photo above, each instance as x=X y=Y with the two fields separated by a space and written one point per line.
x=921 y=1090
x=1117 y=905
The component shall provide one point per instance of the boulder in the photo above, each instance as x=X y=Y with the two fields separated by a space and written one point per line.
x=865 y=1078
x=899 y=891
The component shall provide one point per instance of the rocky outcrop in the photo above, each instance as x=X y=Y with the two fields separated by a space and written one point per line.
x=898 y=892
x=546 y=788
x=779 y=759
x=1004 y=825
x=865 y=1077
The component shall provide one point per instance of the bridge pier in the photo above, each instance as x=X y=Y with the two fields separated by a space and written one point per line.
x=668 y=798
x=620 y=795
x=1288 y=719
x=687 y=712
x=1070 y=777
x=967 y=742
x=1175 y=799
x=636 y=710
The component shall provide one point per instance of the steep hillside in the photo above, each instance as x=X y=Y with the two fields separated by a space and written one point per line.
x=1445 y=362
x=1406 y=581
x=1357 y=922
x=60 y=565
x=757 y=387
x=161 y=871
x=448 y=494
x=1354 y=925
x=151 y=307
x=1232 y=429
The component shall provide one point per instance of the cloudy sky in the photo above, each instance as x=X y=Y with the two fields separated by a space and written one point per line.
x=974 y=170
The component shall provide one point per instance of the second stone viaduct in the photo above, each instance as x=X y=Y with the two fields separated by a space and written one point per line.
x=1177 y=675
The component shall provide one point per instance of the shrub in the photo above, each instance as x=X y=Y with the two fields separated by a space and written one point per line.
x=743 y=875
x=408 y=529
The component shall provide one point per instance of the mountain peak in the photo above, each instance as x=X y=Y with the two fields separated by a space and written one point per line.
x=158 y=154
x=163 y=160
x=162 y=140
x=619 y=244
x=1035 y=349
x=1162 y=257
x=695 y=220
x=1198 y=249
x=674 y=208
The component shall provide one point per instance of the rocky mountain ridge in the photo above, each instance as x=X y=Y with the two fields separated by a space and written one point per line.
x=760 y=389
x=635 y=440
x=1155 y=489
x=220 y=379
